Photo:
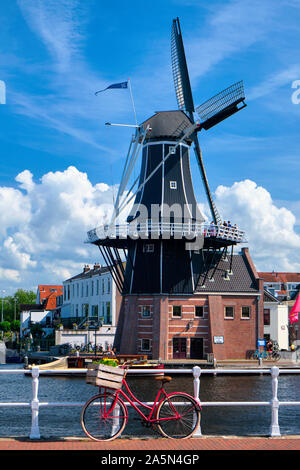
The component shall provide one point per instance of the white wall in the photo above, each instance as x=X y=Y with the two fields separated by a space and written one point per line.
x=36 y=316
x=104 y=336
x=278 y=328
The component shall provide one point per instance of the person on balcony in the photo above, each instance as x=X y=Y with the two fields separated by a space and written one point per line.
x=212 y=229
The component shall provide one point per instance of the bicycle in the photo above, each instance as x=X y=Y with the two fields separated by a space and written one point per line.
x=269 y=355
x=105 y=415
x=274 y=355
x=257 y=355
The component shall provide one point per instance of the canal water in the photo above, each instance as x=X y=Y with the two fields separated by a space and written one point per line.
x=215 y=420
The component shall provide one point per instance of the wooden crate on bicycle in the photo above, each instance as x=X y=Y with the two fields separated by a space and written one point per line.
x=100 y=375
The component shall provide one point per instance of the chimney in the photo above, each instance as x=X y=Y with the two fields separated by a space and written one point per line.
x=86 y=268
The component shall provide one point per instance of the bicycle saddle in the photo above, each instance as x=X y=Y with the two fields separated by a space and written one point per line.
x=164 y=379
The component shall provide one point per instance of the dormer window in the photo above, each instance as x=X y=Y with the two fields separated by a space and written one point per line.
x=173 y=184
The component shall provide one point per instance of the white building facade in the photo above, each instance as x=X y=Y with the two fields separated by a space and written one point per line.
x=91 y=294
x=30 y=316
x=276 y=321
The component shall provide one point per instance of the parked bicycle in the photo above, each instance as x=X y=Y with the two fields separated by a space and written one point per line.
x=274 y=355
x=104 y=416
x=271 y=355
x=260 y=354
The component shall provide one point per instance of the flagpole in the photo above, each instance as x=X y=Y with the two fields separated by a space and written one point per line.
x=132 y=100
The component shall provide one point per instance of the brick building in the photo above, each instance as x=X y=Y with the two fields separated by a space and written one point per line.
x=223 y=317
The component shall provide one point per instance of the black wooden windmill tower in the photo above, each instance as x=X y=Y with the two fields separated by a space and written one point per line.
x=167 y=247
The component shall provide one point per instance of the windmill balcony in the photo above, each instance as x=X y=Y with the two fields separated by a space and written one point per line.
x=166 y=230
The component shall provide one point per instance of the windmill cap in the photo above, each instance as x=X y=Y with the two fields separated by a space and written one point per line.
x=167 y=125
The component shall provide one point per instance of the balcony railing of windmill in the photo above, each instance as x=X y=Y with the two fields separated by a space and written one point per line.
x=152 y=229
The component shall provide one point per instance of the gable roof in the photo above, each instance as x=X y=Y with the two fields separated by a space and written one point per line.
x=280 y=277
x=268 y=297
x=47 y=295
x=88 y=273
x=243 y=278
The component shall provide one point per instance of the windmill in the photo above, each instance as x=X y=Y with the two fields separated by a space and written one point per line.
x=155 y=244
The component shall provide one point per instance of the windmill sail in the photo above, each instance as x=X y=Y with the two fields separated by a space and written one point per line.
x=180 y=71
x=222 y=105
x=185 y=102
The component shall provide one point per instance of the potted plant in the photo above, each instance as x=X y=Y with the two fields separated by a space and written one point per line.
x=107 y=362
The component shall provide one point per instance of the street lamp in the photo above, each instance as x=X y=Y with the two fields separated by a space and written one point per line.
x=15 y=310
x=3 y=292
x=94 y=326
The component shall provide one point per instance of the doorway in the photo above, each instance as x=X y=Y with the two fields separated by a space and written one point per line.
x=179 y=348
x=196 y=351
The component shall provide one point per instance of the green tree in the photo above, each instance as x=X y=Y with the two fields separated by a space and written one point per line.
x=5 y=326
x=25 y=296
x=11 y=303
x=15 y=325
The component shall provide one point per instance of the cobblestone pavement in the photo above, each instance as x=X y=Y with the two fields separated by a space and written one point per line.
x=194 y=444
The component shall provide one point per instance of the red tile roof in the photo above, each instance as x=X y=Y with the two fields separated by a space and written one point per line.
x=280 y=277
x=48 y=295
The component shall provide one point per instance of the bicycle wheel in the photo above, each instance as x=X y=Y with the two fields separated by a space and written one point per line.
x=103 y=419
x=275 y=356
x=178 y=416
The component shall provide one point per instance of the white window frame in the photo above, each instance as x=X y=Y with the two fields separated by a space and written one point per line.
x=227 y=317
x=173 y=184
x=247 y=317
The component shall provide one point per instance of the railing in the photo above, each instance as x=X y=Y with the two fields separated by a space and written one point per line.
x=166 y=230
x=274 y=404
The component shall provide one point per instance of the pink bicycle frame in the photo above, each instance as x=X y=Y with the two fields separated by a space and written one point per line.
x=152 y=408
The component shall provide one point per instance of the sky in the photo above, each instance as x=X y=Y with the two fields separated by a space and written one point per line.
x=60 y=166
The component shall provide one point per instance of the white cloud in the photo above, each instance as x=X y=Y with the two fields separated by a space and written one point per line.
x=9 y=275
x=270 y=230
x=25 y=180
x=44 y=225
x=15 y=256
x=21 y=213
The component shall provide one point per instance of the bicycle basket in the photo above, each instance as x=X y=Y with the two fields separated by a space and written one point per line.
x=100 y=375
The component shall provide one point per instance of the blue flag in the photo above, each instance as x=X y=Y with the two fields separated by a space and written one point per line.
x=114 y=85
